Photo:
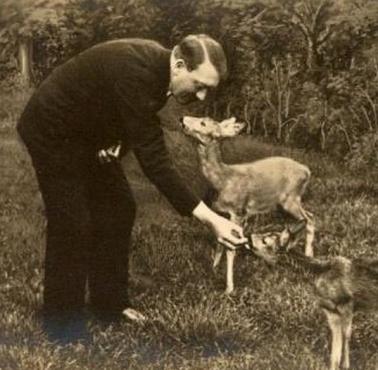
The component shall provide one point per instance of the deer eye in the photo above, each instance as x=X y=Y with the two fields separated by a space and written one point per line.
x=203 y=123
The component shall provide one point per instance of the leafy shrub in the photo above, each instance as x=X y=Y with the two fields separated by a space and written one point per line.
x=12 y=101
x=320 y=97
x=364 y=153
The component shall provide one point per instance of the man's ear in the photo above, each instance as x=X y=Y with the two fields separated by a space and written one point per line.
x=180 y=63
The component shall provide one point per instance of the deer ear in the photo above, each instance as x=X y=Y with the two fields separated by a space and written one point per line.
x=228 y=121
x=285 y=237
x=289 y=237
x=297 y=228
x=230 y=128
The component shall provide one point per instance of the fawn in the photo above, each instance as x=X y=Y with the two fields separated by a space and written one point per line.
x=342 y=286
x=251 y=188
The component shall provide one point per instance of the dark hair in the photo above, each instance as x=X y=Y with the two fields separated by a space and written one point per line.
x=190 y=49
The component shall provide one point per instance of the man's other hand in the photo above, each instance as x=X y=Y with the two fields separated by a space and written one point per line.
x=110 y=154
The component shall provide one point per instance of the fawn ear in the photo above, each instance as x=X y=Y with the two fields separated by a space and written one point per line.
x=285 y=238
x=228 y=121
x=229 y=127
x=289 y=235
x=297 y=228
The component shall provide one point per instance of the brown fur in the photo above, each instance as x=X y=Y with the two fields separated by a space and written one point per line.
x=251 y=188
x=342 y=286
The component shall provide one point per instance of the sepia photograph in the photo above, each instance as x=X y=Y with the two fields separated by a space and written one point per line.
x=189 y=184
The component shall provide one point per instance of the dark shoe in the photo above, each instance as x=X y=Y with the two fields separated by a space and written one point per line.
x=64 y=328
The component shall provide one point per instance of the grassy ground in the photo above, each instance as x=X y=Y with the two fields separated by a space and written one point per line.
x=271 y=323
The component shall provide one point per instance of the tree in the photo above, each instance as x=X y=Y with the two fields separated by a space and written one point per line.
x=20 y=22
x=46 y=32
x=314 y=19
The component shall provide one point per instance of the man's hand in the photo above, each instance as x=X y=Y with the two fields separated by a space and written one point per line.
x=110 y=154
x=226 y=232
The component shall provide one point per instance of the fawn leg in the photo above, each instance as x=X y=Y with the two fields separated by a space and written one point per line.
x=230 y=254
x=293 y=206
x=310 y=233
x=347 y=333
x=334 y=322
x=217 y=255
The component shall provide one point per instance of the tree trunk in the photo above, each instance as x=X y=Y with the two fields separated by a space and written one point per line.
x=323 y=123
x=25 y=60
x=311 y=55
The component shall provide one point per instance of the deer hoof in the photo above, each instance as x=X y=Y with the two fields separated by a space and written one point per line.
x=309 y=252
x=230 y=292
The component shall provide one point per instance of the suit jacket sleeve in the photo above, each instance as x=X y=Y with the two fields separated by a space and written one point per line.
x=138 y=96
x=154 y=159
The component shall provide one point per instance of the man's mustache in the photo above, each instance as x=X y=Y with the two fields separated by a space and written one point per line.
x=186 y=98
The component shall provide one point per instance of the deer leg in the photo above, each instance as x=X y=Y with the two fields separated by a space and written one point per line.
x=293 y=206
x=347 y=333
x=217 y=255
x=230 y=255
x=334 y=322
x=310 y=233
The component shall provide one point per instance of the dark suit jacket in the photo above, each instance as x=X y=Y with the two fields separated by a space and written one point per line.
x=108 y=93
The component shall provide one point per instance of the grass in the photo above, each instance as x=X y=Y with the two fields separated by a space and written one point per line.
x=271 y=323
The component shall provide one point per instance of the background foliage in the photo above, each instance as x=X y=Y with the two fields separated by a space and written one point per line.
x=302 y=72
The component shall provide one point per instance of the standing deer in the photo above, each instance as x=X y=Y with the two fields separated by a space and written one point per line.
x=248 y=189
x=342 y=286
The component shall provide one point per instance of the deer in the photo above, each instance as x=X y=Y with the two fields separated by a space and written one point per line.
x=247 y=189
x=342 y=286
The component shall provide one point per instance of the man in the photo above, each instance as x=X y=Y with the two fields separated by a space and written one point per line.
x=107 y=94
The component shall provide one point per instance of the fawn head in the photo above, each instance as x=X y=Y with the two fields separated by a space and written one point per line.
x=268 y=245
x=206 y=129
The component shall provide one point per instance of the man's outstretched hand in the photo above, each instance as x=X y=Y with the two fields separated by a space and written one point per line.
x=110 y=154
x=227 y=232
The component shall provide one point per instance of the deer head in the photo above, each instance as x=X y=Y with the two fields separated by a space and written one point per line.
x=268 y=245
x=206 y=129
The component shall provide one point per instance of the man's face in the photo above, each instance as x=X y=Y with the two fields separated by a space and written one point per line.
x=188 y=86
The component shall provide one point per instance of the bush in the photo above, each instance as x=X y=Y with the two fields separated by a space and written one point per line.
x=364 y=154
x=13 y=99
x=321 y=98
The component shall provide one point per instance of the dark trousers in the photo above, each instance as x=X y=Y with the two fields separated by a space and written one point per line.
x=90 y=213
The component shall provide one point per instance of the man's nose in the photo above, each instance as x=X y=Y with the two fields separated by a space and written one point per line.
x=201 y=94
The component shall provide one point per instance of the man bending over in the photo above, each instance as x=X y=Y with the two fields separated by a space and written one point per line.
x=107 y=94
